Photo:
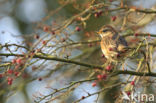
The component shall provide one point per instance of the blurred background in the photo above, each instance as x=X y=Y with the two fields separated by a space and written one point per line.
x=24 y=22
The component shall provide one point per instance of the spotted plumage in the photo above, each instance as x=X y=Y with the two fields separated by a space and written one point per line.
x=112 y=44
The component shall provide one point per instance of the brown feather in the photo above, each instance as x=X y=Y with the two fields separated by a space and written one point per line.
x=112 y=44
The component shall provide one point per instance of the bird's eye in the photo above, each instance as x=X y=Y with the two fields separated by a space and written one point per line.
x=105 y=30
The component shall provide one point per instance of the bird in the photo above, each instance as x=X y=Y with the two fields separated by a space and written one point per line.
x=112 y=44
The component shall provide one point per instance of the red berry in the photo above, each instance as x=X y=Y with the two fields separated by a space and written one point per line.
x=9 y=79
x=13 y=61
x=96 y=15
x=44 y=42
x=10 y=71
x=128 y=93
x=45 y=28
x=83 y=97
x=16 y=74
x=9 y=82
x=100 y=77
x=39 y=79
x=114 y=18
x=110 y=49
x=136 y=34
x=19 y=61
x=53 y=32
x=1 y=75
x=104 y=76
x=78 y=28
x=36 y=36
x=118 y=55
x=103 y=55
x=108 y=68
x=132 y=82
x=93 y=84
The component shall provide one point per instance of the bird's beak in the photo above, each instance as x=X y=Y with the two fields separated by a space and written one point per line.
x=97 y=33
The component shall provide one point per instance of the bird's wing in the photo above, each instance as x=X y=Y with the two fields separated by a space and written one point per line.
x=121 y=42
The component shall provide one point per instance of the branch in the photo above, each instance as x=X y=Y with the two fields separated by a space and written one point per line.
x=18 y=46
x=134 y=73
x=5 y=64
x=147 y=11
x=91 y=66
x=140 y=34
x=106 y=88
x=56 y=59
x=67 y=87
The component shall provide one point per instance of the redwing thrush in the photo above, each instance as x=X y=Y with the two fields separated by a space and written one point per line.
x=112 y=44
